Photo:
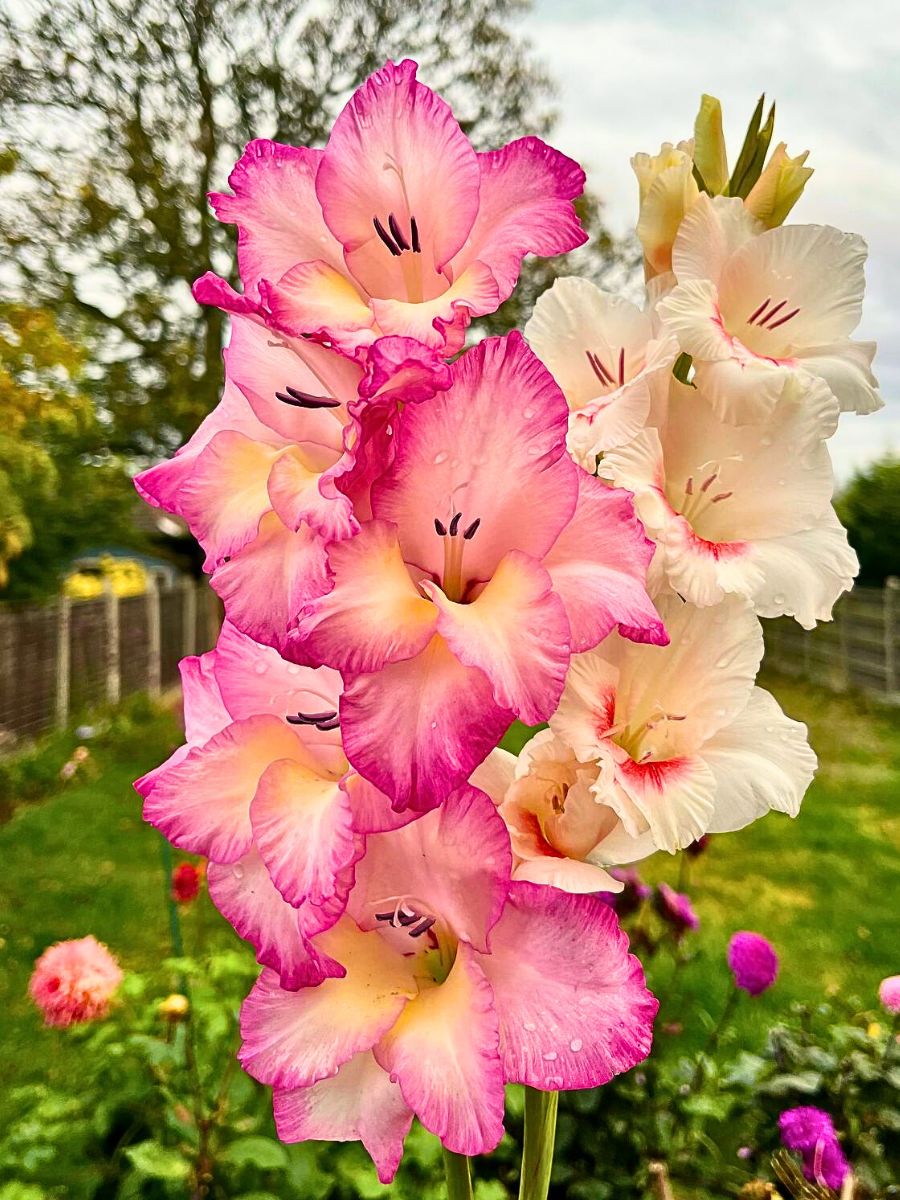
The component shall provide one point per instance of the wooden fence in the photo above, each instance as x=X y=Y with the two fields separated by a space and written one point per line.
x=859 y=649
x=60 y=659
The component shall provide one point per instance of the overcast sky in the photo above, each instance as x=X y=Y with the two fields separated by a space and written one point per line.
x=630 y=75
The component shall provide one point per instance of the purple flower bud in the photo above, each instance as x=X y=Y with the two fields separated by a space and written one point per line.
x=676 y=909
x=695 y=849
x=753 y=962
x=889 y=993
x=632 y=896
x=811 y=1131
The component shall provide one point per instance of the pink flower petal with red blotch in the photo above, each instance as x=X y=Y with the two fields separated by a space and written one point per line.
x=245 y=895
x=525 y=207
x=391 y=145
x=358 y=1104
x=418 y=728
x=516 y=631
x=433 y=859
x=443 y=1052
x=202 y=804
x=294 y=1039
x=573 y=1006
x=303 y=828
x=275 y=208
x=598 y=567
x=268 y=582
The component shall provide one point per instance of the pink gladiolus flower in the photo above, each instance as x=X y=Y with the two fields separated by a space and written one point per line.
x=279 y=467
x=73 y=981
x=263 y=790
x=811 y=1131
x=456 y=983
x=753 y=962
x=889 y=993
x=490 y=558
x=398 y=226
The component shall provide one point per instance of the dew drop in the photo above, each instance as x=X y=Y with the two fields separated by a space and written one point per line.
x=529 y=1027
x=778 y=599
x=293 y=669
x=551 y=1056
x=575 y=1044
x=434 y=724
x=260 y=668
x=440 y=458
x=528 y=413
x=237 y=871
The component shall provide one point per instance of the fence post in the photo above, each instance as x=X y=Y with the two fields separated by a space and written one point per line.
x=113 y=672
x=63 y=658
x=154 y=638
x=889 y=603
x=189 y=617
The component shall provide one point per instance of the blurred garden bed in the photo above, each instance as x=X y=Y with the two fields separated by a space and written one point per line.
x=77 y=859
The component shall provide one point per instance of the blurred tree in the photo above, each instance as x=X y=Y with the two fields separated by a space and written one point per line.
x=56 y=496
x=869 y=506
x=122 y=114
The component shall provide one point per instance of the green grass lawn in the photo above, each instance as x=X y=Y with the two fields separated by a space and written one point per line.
x=824 y=888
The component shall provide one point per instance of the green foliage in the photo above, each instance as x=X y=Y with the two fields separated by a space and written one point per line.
x=48 y=457
x=157 y=108
x=869 y=506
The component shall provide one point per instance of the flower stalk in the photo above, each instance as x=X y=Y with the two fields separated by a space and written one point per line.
x=537 y=1150
x=458 y=1173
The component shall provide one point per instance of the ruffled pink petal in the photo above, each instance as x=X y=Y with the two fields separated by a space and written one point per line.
x=202 y=804
x=314 y=300
x=216 y=292
x=264 y=587
x=492 y=448
x=245 y=895
x=225 y=496
x=599 y=567
x=255 y=679
x=295 y=491
x=473 y=293
x=276 y=211
x=371 y=809
x=161 y=485
x=373 y=613
x=443 y=1052
x=525 y=207
x=303 y=828
x=294 y=1039
x=418 y=728
x=359 y=1104
x=205 y=713
x=397 y=151
x=516 y=632
x=401 y=368
x=264 y=364
x=432 y=859
x=573 y=1005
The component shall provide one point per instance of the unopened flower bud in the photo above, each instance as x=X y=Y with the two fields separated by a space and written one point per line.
x=779 y=187
x=667 y=190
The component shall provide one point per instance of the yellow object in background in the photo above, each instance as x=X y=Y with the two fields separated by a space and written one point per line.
x=126 y=577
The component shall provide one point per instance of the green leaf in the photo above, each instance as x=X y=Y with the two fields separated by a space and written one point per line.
x=158 y=1162
x=805 y=1082
x=745 y=158
x=256 y=1151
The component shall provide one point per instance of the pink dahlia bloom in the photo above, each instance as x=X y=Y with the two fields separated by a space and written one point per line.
x=457 y=982
x=889 y=993
x=753 y=962
x=398 y=226
x=490 y=558
x=73 y=981
x=811 y=1131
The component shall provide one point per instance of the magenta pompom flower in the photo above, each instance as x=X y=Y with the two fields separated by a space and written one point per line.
x=889 y=993
x=811 y=1131
x=73 y=981
x=753 y=962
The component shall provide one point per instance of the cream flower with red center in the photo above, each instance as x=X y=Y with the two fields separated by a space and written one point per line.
x=757 y=307
x=490 y=557
x=650 y=749
x=607 y=356
x=398 y=226
x=457 y=982
x=742 y=509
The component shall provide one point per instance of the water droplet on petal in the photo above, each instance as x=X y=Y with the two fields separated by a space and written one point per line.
x=575 y=1044
x=440 y=458
x=237 y=871
x=529 y=1027
x=293 y=669
x=528 y=413
x=260 y=668
x=778 y=598
x=551 y=1056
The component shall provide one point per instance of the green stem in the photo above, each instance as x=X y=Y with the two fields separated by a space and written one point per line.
x=458 y=1171
x=165 y=853
x=537 y=1151
x=713 y=1040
